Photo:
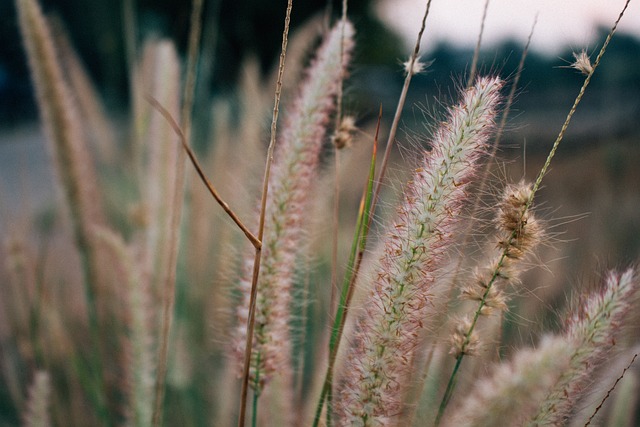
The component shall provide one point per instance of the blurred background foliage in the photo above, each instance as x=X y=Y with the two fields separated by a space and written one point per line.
x=232 y=31
x=607 y=121
x=236 y=30
x=600 y=178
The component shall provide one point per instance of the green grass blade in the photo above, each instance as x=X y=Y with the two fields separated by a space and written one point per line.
x=358 y=246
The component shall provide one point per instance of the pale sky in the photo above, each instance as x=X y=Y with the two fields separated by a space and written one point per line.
x=560 y=22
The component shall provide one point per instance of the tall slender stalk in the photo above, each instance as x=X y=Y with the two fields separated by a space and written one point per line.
x=452 y=379
x=476 y=52
x=336 y=188
x=358 y=246
x=377 y=370
x=263 y=204
x=411 y=67
x=75 y=173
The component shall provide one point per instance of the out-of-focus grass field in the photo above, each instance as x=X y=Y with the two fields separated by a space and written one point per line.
x=589 y=202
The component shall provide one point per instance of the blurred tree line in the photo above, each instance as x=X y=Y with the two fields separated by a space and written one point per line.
x=235 y=29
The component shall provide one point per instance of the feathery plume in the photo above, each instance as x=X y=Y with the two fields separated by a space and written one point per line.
x=76 y=177
x=518 y=234
x=589 y=334
x=141 y=360
x=387 y=332
x=96 y=126
x=539 y=386
x=73 y=164
x=417 y=67
x=515 y=389
x=164 y=154
x=582 y=62
x=294 y=167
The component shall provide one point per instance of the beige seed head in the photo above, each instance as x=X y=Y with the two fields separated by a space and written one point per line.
x=582 y=62
x=459 y=342
x=343 y=136
x=417 y=67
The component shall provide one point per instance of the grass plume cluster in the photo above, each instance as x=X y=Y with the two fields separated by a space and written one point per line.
x=150 y=305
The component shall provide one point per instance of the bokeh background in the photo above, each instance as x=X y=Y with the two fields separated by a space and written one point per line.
x=590 y=198
x=600 y=152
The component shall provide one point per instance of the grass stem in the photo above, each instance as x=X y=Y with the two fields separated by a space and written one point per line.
x=263 y=205
x=452 y=380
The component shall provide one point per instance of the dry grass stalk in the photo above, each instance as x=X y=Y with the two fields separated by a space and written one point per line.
x=590 y=334
x=140 y=343
x=294 y=169
x=387 y=334
x=412 y=67
x=97 y=128
x=73 y=163
x=163 y=154
x=251 y=318
x=396 y=331
x=625 y=399
x=76 y=175
x=611 y=390
x=476 y=52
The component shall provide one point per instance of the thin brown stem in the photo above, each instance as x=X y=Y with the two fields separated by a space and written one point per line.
x=176 y=128
x=400 y=107
x=192 y=66
x=508 y=104
x=334 y=237
x=613 y=387
x=336 y=186
x=476 y=52
x=263 y=205
x=583 y=89
x=178 y=193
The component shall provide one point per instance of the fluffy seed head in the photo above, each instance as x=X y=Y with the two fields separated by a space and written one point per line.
x=514 y=389
x=493 y=297
x=417 y=67
x=343 y=136
x=461 y=341
x=589 y=334
x=521 y=231
x=294 y=170
x=582 y=62
x=372 y=386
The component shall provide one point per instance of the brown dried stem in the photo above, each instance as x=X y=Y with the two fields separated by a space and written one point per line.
x=476 y=52
x=263 y=205
x=176 y=128
x=403 y=96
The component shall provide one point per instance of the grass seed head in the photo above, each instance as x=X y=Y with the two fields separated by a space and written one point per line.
x=343 y=137
x=582 y=62
x=461 y=341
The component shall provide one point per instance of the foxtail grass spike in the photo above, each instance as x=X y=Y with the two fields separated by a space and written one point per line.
x=75 y=174
x=590 y=333
x=294 y=167
x=370 y=385
x=141 y=360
